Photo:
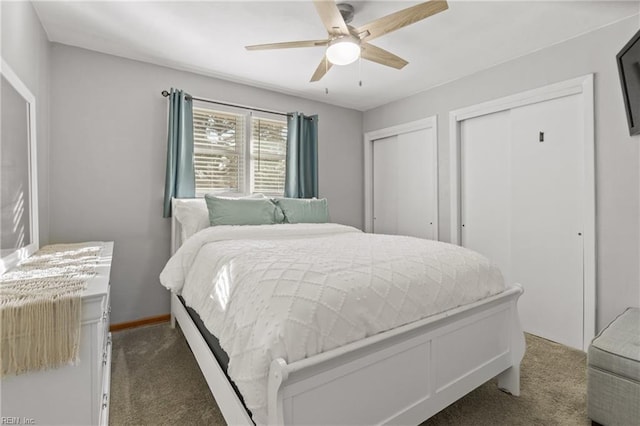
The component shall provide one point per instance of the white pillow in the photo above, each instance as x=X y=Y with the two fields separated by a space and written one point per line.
x=193 y=215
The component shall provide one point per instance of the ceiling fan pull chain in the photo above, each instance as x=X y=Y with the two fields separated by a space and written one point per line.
x=360 y=71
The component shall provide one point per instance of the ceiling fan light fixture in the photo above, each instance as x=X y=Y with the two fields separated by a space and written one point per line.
x=343 y=51
x=346 y=44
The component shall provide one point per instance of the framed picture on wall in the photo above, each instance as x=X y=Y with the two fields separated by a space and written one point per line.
x=629 y=68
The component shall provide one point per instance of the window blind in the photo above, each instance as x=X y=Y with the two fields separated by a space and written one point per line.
x=268 y=155
x=219 y=141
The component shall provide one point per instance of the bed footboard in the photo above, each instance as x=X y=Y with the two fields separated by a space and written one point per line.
x=405 y=375
x=402 y=376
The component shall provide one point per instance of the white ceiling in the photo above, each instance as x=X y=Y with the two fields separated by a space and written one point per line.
x=209 y=38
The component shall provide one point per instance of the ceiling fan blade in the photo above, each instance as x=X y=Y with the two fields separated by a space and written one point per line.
x=401 y=19
x=331 y=17
x=381 y=56
x=288 y=45
x=322 y=69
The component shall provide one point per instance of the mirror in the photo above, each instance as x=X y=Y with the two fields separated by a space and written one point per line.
x=18 y=193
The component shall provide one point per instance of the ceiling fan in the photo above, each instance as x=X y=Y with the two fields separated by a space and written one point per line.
x=346 y=43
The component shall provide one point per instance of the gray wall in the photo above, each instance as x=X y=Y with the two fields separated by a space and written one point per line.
x=108 y=150
x=26 y=48
x=617 y=154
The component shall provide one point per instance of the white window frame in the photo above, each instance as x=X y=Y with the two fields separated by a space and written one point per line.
x=246 y=153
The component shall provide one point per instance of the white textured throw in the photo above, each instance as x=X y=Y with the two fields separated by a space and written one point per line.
x=40 y=307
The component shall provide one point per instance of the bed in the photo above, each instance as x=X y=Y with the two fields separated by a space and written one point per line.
x=400 y=375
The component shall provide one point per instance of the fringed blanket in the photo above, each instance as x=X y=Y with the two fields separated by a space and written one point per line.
x=40 y=307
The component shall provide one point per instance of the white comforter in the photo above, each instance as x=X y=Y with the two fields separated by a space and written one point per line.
x=292 y=291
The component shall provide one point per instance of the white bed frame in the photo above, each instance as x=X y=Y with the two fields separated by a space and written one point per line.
x=401 y=376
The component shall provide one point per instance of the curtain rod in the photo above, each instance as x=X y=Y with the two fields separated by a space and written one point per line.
x=166 y=94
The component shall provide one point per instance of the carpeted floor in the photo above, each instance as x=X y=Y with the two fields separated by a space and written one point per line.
x=156 y=381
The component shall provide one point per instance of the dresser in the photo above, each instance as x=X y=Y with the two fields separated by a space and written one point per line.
x=76 y=394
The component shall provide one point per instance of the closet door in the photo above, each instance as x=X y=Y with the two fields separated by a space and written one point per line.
x=385 y=182
x=416 y=186
x=404 y=184
x=522 y=201
x=485 y=188
x=547 y=193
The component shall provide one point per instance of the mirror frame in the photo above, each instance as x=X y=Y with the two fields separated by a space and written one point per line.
x=11 y=259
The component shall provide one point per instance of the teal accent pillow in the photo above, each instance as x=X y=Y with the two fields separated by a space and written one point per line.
x=301 y=210
x=244 y=211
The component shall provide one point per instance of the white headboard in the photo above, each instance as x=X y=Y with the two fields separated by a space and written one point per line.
x=176 y=229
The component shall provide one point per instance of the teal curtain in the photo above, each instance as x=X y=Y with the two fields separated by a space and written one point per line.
x=180 y=176
x=301 y=174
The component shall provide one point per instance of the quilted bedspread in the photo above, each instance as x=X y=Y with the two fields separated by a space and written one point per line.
x=291 y=291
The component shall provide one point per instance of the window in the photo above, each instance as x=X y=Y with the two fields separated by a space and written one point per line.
x=218 y=140
x=268 y=155
x=238 y=153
